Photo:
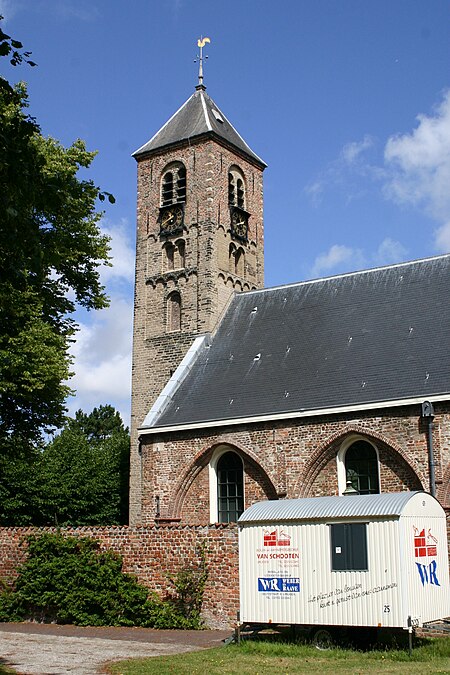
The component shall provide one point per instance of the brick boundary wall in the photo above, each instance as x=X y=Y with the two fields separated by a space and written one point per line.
x=152 y=552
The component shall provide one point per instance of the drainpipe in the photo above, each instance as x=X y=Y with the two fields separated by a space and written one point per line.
x=428 y=415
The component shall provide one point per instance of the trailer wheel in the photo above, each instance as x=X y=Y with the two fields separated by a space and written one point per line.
x=322 y=639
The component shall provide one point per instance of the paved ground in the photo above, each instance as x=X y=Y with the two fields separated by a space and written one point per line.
x=43 y=649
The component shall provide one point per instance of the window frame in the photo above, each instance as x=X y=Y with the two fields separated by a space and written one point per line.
x=341 y=464
x=352 y=538
x=213 y=481
x=179 y=184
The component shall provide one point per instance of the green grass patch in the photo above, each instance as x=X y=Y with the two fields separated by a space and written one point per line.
x=263 y=657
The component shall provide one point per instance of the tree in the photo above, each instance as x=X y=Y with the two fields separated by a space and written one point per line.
x=51 y=248
x=78 y=478
x=83 y=472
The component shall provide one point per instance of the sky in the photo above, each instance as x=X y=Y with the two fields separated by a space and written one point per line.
x=347 y=101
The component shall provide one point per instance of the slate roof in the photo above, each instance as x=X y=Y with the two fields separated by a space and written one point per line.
x=197 y=117
x=369 y=337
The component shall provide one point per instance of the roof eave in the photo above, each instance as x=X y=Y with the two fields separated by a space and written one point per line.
x=184 y=142
x=273 y=417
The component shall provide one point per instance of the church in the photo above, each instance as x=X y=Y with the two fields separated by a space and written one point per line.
x=242 y=393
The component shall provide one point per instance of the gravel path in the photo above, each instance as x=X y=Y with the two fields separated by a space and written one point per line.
x=37 y=649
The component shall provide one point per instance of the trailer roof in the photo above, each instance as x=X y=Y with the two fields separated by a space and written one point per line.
x=316 y=508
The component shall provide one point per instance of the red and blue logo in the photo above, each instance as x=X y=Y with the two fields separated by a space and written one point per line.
x=425 y=547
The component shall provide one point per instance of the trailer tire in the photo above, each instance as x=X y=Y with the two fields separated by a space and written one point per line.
x=322 y=639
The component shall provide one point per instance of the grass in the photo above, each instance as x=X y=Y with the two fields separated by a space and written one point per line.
x=282 y=658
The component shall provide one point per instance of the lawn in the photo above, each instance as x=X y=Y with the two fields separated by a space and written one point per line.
x=261 y=658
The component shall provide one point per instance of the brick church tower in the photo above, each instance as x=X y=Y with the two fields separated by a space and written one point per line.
x=200 y=238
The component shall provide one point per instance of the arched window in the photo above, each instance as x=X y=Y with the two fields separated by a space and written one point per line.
x=179 y=257
x=174 y=311
x=239 y=262
x=236 y=260
x=173 y=184
x=230 y=488
x=232 y=258
x=236 y=187
x=169 y=254
x=361 y=468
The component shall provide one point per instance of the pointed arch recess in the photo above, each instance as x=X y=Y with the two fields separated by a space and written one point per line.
x=201 y=461
x=328 y=450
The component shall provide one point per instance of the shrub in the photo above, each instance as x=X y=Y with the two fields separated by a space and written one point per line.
x=70 y=580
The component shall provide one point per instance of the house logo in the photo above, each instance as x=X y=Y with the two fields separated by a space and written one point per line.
x=276 y=538
x=425 y=547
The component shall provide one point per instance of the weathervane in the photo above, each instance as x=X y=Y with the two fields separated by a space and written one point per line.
x=201 y=42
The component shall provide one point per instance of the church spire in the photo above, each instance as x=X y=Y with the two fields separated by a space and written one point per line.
x=201 y=42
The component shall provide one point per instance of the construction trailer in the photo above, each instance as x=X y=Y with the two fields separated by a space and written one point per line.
x=378 y=561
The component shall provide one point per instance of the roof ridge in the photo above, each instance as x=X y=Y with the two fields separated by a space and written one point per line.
x=345 y=274
x=235 y=130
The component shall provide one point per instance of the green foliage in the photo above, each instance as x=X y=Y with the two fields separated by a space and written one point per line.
x=188 y=587
x=50 y=251
x=70 y=580
x=84 y=474
x=79 y=478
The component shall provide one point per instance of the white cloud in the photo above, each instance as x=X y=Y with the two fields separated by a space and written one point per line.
x=352 y=151
x=442 y=237
x=102 y=347
x=389 y=252
x=122 y=253
x=345 y=172
x=337 y=257
x=102 y=359
x=419 y=168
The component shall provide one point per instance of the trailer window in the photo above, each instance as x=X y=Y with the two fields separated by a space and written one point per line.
x=348 y=546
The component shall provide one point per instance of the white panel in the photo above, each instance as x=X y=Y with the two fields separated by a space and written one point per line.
x=292 y=581
x=425 y=567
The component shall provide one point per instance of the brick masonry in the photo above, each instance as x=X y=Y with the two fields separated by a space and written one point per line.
x=150 y=553
x=295 y=458
x=207 y=276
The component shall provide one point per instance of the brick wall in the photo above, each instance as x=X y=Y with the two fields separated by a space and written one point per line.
x=152 y=552
x=205 y=282
x=294 y=458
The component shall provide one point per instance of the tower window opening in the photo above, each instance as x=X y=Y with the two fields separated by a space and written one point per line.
x=181 y=185
x=240 y=193
x=236 y=187
x=169 y=251
x=173 y=184
x=231 y=189
x=179 y=255
x=167 y=188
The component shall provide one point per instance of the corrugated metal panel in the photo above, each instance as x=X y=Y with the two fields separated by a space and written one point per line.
x=317 y=508
x=425 y=570
x=292 y=581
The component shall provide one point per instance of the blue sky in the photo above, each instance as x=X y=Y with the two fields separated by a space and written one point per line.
x=348 y=102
